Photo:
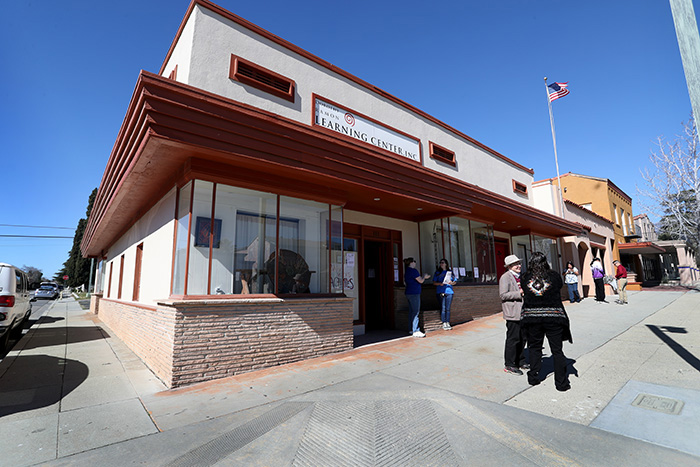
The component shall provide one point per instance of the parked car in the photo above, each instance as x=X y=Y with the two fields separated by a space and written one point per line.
x=46 y=291
x=15 y=303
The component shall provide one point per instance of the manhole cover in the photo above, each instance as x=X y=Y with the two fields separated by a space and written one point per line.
x=658 y=403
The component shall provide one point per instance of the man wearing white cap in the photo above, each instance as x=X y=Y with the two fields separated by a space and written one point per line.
x=511 y=303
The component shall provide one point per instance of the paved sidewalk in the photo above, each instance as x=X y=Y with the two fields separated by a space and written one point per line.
x=73 y=394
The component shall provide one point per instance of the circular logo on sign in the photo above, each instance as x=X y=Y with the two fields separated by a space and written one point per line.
x=350 y=119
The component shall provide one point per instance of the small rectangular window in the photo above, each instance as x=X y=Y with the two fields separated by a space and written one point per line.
x=173 y=74
x=137 y=272
x=519 y=187
x=109 y=283
x=121 y=277
x=261 y=78
x=442 y=154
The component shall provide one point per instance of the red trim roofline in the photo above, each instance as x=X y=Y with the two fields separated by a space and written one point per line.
x=298 y=50
x=639 y=245
x=588 y=210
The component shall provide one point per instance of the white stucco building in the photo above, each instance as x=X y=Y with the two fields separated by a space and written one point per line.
x=259 y=202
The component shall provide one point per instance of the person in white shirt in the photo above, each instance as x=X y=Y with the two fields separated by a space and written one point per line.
x=571 y=279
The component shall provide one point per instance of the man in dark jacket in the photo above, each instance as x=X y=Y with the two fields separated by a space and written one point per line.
x=511 y=303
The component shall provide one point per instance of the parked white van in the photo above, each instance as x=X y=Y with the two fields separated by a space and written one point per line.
x=15 y=302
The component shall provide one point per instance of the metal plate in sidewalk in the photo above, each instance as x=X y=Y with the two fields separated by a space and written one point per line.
x=658 y=403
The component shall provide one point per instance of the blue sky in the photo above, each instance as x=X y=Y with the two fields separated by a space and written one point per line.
x=69 y=69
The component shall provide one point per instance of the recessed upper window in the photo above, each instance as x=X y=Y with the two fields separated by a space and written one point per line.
x=261 y=78
x=519 y=187
x=442 y=154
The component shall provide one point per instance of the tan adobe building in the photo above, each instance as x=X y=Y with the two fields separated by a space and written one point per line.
x=259 y=202
x=603 y=197
x=594 y=239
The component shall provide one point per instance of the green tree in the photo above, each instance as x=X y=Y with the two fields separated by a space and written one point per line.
x=34 y=275
x=76 y=267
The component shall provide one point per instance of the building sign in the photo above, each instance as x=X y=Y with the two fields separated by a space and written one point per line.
x=350 y=124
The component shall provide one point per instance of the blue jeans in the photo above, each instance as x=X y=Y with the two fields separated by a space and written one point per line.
x=413 y=310
x=573 y=293
x=445 y=304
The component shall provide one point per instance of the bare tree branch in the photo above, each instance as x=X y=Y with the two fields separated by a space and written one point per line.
x=671 y=188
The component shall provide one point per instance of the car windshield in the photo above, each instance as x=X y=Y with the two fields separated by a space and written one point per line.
x=45 y=287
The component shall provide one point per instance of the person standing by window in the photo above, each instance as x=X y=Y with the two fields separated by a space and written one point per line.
x=621 y=276
x=444 y=280
x=571 y=280
x=511 y=303
x=413 y=279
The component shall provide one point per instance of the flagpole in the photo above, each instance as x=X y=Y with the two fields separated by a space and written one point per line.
x=554 y=141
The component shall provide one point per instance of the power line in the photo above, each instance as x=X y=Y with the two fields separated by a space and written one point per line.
x=36 y=226
x=33 y=236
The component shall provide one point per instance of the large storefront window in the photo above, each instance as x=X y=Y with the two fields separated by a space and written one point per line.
x=431 y=245
x=522 y=249
x=548 y=246
x=248 y=238
x=198 y=271
x=482 y=246
x=336 y=226
x=248 y=247
x=351 y=263
x=460 y=255
x=101 y=270
x=183 y=222
x=303 y=251
x=468 y=246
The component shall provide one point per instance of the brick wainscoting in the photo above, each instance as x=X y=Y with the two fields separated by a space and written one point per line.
x=148 y=331
x=190 y=341
x=469 y=302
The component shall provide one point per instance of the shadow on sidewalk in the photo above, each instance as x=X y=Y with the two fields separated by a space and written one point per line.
x=48 y=337
x=36 y=381
x=548 y=367
x=675 y=346
x=373 y=337
x=47 y=319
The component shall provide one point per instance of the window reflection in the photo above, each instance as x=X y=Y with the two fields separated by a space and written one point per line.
x=253 y=248
x=468 y=245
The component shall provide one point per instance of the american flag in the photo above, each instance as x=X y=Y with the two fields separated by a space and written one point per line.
x=557 y=90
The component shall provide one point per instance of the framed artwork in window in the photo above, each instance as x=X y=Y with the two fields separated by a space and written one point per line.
x=203 y=229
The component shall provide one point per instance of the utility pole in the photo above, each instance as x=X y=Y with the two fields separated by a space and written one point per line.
x=689 y=45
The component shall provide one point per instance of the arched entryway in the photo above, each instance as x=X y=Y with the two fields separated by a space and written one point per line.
x=583 y=260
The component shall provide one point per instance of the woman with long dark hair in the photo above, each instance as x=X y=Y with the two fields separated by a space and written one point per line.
x=443 y=280
x=543 y=315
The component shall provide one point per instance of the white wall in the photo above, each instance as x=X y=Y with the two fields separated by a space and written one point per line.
x=155 y=229
x=215 y=38
x=545 y=196
x=182 y=53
